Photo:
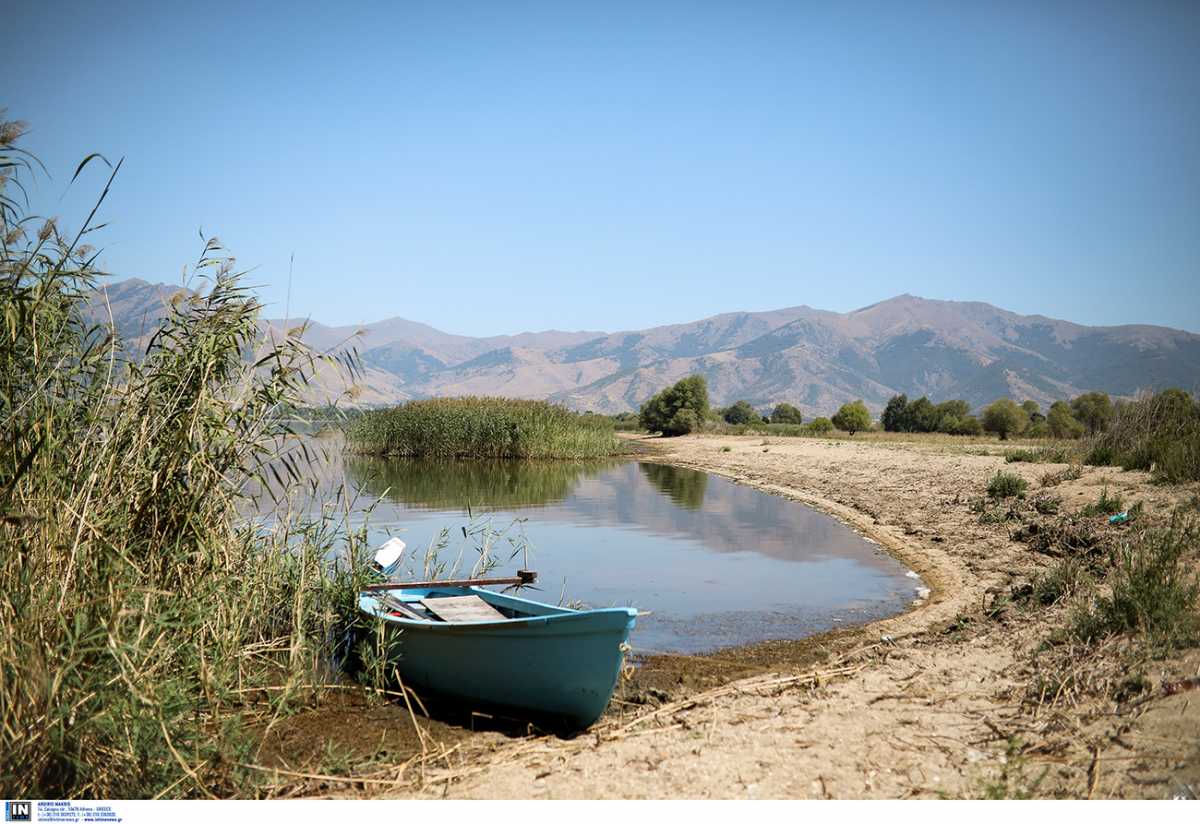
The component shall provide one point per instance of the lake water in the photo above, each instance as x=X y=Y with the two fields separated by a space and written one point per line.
x=714 y=563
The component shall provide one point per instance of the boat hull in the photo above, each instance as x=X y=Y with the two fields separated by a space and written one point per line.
x=557 y=663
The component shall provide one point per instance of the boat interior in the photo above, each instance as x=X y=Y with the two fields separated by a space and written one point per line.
x=458 y=606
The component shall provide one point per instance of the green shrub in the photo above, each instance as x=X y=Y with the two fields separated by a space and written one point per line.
x=1021 y=455
x=853 y=417
x=1072 y=473
x=820 y=426
x=741 y=413
x=1047 y=504
x=678 y=409
x=1100 y=455
x=786 y=413
x=1154 y=588
x=1006 y=485
x=480 y=427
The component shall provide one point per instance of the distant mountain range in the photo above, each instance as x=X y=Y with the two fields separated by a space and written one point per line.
x=811 y=358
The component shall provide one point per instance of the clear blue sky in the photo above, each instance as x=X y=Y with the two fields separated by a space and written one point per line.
x=503 y=166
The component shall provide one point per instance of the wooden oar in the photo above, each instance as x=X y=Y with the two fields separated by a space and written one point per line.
x=524 y=577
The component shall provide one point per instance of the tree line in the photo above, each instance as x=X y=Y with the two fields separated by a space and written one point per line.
x=684 y=407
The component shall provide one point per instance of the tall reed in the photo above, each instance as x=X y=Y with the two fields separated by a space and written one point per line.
x=138 y=604
x=1155 y=432
x=480 y=427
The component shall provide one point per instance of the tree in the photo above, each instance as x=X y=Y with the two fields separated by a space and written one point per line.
x=678 y=409
x=954 y=409
x=1061 y=421
x=740 y=413
x=954 y=418
x=895 y=414
x=1004 y=418
x=966 y=425
x=786 y=413
x=1094 y=410
x=853 y=417
x=922 y=416
x=1033 y=411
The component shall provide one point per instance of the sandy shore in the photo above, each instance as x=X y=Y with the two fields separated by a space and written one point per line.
x=931 y=703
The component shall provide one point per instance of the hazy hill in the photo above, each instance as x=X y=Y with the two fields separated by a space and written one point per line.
x=814 y=359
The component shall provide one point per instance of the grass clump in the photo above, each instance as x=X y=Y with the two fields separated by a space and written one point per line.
x=1043 y=454
x=1105 y=505
x=1068 y=577
x=482 y=427
x=1154 y=588
x=1047 y=504
x=1006 y=485
x=1072 y=473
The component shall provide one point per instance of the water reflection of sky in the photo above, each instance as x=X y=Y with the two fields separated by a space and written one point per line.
x=715 y=563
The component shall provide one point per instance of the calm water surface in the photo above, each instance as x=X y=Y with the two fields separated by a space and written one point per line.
x=714 y=563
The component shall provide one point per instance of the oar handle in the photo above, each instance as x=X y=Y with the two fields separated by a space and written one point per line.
x=524 y=577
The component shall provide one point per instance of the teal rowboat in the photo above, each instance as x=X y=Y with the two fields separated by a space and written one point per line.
x=487 y=648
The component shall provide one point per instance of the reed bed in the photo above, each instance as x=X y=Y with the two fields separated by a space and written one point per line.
x=482 y=427
x=139 y=607
x=1159 y=433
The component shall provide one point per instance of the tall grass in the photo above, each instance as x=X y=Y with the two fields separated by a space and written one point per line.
x=1155 y=432
x=480 y=427
x=138 y=605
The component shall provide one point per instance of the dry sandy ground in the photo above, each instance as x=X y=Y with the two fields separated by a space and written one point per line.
x=927 y=704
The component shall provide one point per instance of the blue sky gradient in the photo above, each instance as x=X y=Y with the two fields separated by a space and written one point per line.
x=497 y=167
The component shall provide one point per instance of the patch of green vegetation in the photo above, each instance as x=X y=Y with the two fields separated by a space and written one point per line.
x=820 y=426
x=1004 y=418
x=1046 y=504
x=785 y=413
x=1154 y=588
x=1158 y=433
x=1006 y=485
x=678 y=409
x=853 y=417
x=1043 y=454
x=1013 y=780
x=741 y=413
x=1065 y=579
x=1072 y=473
x=1105 y=505
x=482 y=428
x=140 y=607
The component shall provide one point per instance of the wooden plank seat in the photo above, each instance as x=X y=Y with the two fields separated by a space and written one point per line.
x=462 y=608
